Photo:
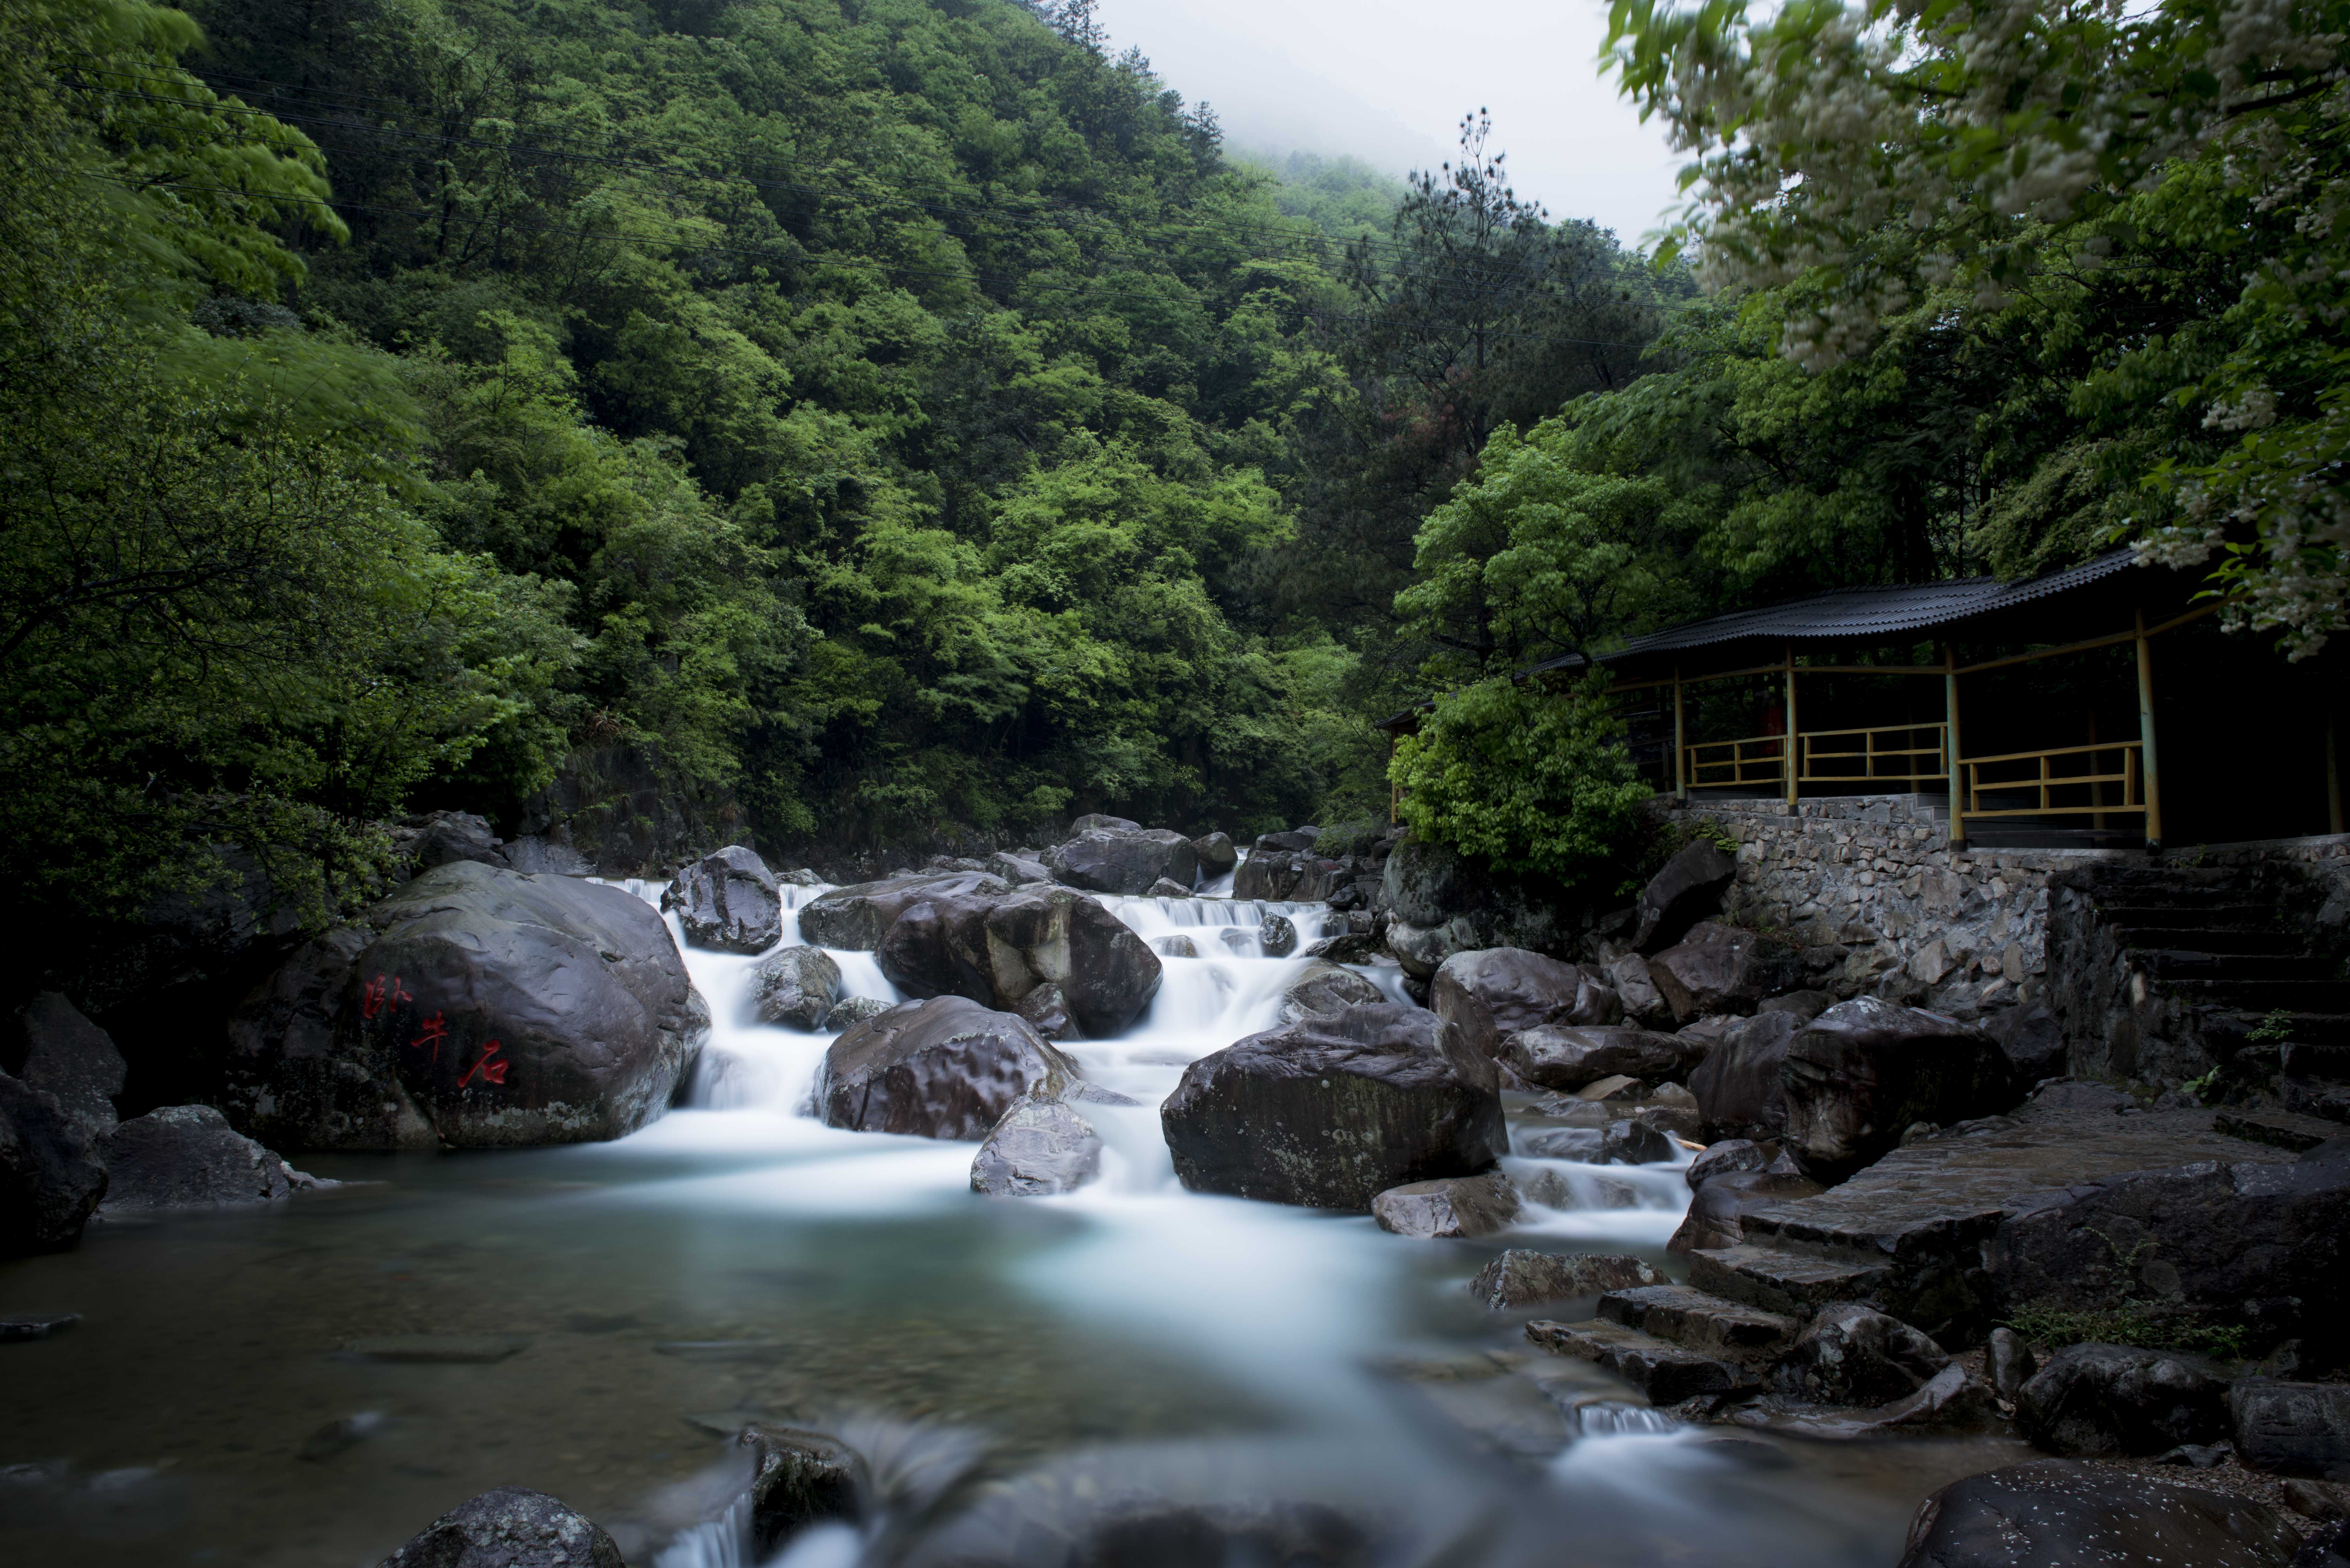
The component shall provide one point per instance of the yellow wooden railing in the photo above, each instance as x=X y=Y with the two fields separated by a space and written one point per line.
x=2038 y=771
x=1756 y=760
x=1868 y=762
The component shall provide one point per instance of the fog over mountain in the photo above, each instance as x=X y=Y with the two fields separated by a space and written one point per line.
x=1388 y=81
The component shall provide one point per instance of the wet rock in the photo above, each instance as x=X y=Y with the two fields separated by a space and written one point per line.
x=2031 y=1038
x=1730 y=1156
x=1634 y=1142
x=1522 y=1278
x=1805 y=1006
x=22 y=1327
x=1043 y=1145
x=1738 y=1083
x=1493 y=993
x=937 y=946
x=340 y=1436
x=1046 y=1008
x=1277 y=865
x=68 y=1056
x=945 y=1068
x=2102 y=1400
x=546 y=857
x=1687 y=890
x=2259 y=1243
x=1276 y=937
x=856 y=917
x=1050 y=936
x=50 y=1178
x=1722 y=969
x=1423 y=949
x=445 y=838
x=2325 y=1501
x=1101 y=822
x=1719 y=1207
x=1168 y=888
x=512 y=1527
x=1331 y=1111
x=1323 y=989
x=1105 y=859
x=2329 y=1548
x=798 y=987
x=1216 y=855
x=1862 y=1072
x=1556 y=1056
x=1017 y=870
x=1951 y=1401
x=851 y=1010
x=2292 y=1429
x=1178 y=947
x=727 y=901
x=489 y=1009
x=1851 y=1355
x=2009 y=1363
x=1642 y=1003
x=1448 y=1207
x=797 y=1478
x=2053 y=1514
x=186 y=1157
x=1619 y=1088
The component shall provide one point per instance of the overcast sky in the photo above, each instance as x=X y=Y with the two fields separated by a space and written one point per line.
x=1388 y=81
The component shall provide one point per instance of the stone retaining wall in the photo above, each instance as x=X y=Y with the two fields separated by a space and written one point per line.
x=1868 y=886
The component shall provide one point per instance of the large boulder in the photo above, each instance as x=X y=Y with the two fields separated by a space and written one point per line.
x=1123 y=859
x=727 y=901
x=1448 y=1207
x=2032 y=1039
x=1722 y=969
x=186 y=1157
x=1423 y=950
x=512 y=1527
x=1522 y=1278
x=1043 y=1145
x=1636 y=991
x=1323 y=988
x=2059 y=1514
x=798 y=1477
x=1558 y=1057
x=1852 y=1355
x=1277 y=864
x=938 y=946
x=1492 y=994
x=1739 y=1088
x=1049 y=935
x=1216 y=855
x=478 y=1008
x=68 y=1056
x=50 y=1180
x=796 y=986
x=856 y=917
x=1859 y=1074
x=1332 y=1111
x=1720 y=1204
x=1687 y=890
x=1016 y=869
x=2099 y=1400
x=945 y=1068
x=2292 y=1429
x=2264 y=1244
x=443 y=837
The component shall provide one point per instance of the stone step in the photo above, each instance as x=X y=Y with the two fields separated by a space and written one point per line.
x=1700 y=1321
x=2263 y=996
x=2194 y=912
x=2322 y=1099
x=2244 y=939
x=2322 y=1031
x=1793 y=1284
x=1668 y=1374
x=2279 y=1129
x=2177 y=964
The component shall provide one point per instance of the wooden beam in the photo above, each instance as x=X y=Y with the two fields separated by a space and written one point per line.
x=1680 y=745
x=2333 y=781
x=1950 y=738
x=2153 y=775
x=1788 y=751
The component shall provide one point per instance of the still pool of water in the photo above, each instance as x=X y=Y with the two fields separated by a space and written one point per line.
x=614 y=1312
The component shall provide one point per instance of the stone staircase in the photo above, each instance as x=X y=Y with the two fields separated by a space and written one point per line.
x=2161 y=968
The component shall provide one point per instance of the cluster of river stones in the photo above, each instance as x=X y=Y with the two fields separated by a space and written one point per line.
x=482 y=1006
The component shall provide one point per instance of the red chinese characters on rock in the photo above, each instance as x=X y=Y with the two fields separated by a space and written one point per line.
x=436 y=1029
x=489 y=1071
x=377 y=994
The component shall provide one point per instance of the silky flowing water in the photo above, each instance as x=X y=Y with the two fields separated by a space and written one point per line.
x=622 y=1308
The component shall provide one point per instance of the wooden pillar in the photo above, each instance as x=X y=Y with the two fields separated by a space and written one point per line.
x=2153 y=776
x=1680 y=745
x=1788 y=751
x=2333 y=781
x=1951 y=746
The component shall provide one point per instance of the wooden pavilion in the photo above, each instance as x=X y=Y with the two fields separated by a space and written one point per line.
x=2098 y=705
